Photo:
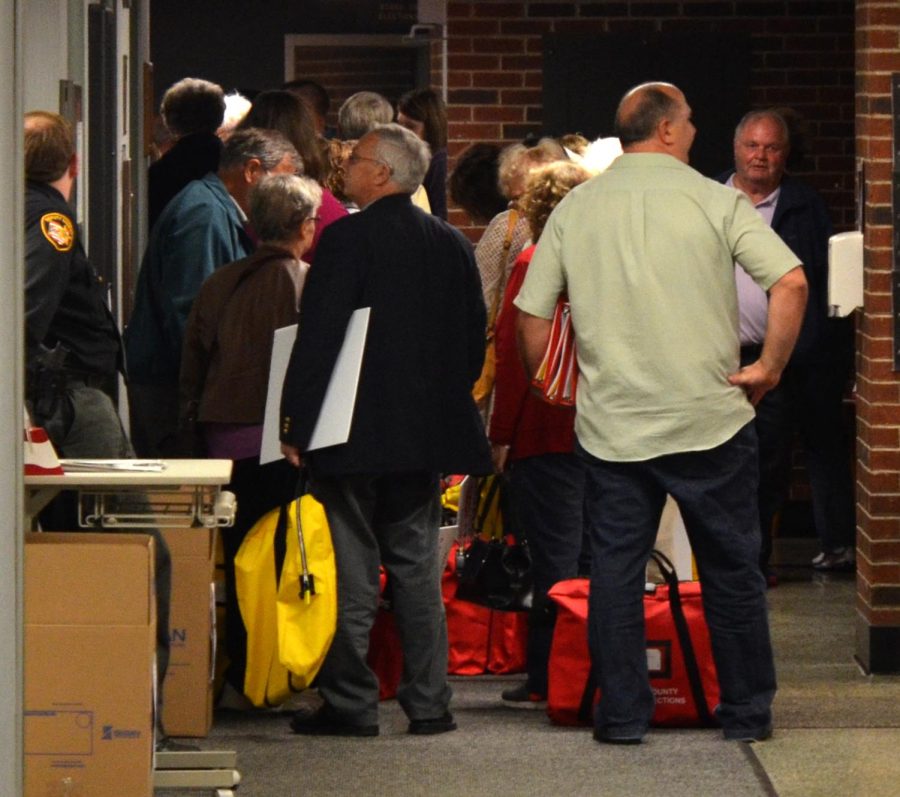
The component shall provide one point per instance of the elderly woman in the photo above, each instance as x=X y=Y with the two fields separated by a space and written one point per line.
x=507 y=234
x=225 y=365
x=534 y=442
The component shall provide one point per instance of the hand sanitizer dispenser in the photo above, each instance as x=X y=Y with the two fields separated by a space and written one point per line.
x=845 y=273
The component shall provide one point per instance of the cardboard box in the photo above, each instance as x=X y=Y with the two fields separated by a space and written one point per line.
x=187 y=697
x=90 y=651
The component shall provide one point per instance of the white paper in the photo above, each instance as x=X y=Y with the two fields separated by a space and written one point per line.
x=113 y=465
x=281 y=355
x=333 y=424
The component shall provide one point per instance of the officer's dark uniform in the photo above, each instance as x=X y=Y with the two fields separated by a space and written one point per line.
x=74 y=353
x=65 y=301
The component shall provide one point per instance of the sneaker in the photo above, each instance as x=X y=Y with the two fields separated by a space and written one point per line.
x=840 y=560
x=441 y=724
x=521 y=697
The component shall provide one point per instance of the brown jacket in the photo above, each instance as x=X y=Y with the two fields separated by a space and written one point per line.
x=228 y=340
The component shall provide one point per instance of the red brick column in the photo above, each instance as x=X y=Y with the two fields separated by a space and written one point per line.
x=878 y=396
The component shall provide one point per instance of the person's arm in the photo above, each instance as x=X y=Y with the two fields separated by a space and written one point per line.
x=47 y=275
x=787 y=300
x=329 y=298
x=510 y=381
x=533 y=335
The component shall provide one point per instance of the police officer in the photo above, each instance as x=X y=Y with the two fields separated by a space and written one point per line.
x=73 y=347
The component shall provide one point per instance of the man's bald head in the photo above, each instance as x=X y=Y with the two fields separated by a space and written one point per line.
x=643 y=108
x=655 y=118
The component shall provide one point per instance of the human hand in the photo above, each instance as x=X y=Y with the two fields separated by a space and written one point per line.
x=756 y=380
x=499 y=455
x=292 y=455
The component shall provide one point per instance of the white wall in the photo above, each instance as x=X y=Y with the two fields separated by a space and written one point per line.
x=11 y=505
x=45 y=51
x=41 y=43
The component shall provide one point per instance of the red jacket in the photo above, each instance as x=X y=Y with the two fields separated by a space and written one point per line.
x=520 y=419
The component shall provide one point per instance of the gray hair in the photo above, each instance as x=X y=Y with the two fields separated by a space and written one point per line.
x=361 y=112
x=269 y=147
x=405 y=153
x=193 y=105
x=279 y=203
x=768 y=113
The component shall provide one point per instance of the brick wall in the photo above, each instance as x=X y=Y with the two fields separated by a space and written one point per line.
x=802 y=57
x=878 y=397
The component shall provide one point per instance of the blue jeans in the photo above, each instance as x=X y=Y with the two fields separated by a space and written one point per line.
x=716 y=493
x=548 y=512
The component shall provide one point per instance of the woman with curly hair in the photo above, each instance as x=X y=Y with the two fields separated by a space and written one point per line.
x=534 y=442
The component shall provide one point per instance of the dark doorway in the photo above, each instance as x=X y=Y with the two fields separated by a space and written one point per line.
x=586 y=76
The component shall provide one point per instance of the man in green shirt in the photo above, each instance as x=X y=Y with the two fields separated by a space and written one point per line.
x=646 y=254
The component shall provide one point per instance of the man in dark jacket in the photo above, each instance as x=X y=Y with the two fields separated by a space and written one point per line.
x=413 y=419
x=810 y=394
x=192 y=110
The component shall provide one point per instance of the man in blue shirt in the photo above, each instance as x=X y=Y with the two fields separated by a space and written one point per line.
x=202 y=228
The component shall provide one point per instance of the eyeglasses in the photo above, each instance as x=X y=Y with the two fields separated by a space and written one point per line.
x=354 y=158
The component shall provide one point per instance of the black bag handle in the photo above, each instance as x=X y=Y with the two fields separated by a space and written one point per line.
x=667 y=570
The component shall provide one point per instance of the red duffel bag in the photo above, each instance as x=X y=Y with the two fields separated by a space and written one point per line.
x=481 y=640
x=679 y=656
x=385 y=653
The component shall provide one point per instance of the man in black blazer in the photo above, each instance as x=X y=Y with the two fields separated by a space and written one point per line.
x=414 y=418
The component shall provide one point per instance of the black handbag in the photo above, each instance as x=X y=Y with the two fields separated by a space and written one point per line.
x=495 y=572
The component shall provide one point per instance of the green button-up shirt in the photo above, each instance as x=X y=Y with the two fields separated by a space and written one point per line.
x=646 y=252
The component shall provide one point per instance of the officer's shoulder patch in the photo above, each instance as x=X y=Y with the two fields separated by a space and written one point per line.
x=58 y=230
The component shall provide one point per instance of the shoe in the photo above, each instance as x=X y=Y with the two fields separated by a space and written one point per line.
x=605 y=738
x=522 y=697
x=742 y=735
x=325 y=721
x=840 y=560
x=433 y=726
x=166 y=744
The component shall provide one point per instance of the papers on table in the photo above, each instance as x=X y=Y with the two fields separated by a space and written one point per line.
x=336 y=414
x=111 y=465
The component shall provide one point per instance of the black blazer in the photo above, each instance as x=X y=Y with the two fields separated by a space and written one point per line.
x=424 y=349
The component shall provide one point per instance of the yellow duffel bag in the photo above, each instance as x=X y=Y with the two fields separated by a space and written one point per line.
x=290 y=624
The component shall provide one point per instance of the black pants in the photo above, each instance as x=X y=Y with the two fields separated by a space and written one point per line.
x=809 y=400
